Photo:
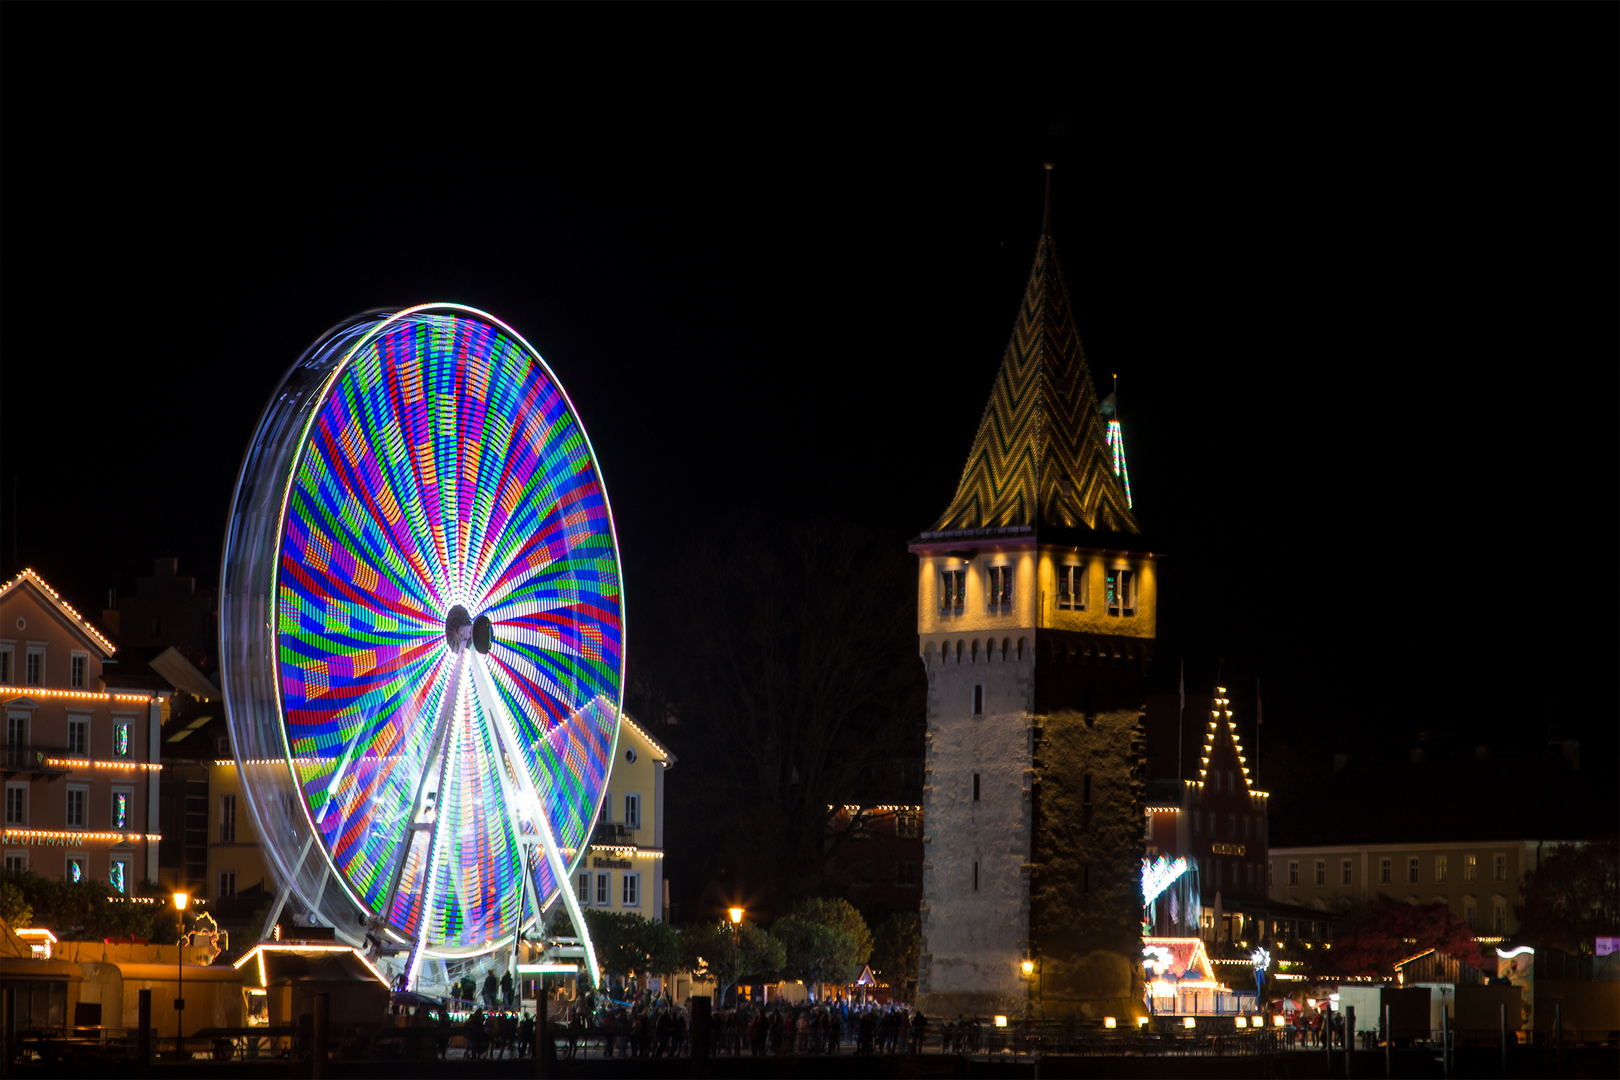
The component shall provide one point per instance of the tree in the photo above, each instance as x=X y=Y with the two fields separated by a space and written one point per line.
x=896 y=946
x=87 y=910
x=626 y=942
x=1573 y=896
x=856 y=939
x=1388 y=931
x=711 y=949
x=813 y=951
x=14 y=906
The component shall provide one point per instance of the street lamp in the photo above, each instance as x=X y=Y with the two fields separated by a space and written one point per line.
x=736 y=950
x=180 y=902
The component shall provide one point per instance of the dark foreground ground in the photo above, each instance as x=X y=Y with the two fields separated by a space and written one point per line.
x=1304 y=1065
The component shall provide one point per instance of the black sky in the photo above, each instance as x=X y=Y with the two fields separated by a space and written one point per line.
x=1355 y=268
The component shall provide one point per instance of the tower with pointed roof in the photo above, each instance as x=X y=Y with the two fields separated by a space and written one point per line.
x=1036 y=597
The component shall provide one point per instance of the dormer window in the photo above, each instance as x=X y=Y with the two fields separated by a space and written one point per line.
x=1073 y=590
x=952 y=591
x=1121 y=591
x=998 y=592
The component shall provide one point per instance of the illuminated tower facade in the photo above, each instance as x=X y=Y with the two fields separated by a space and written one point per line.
x=1036 y=597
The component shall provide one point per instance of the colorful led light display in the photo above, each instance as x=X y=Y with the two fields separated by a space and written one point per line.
x=443 y=467
x=1158 y=874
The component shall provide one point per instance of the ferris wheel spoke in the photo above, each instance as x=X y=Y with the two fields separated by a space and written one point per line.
x=501 y=726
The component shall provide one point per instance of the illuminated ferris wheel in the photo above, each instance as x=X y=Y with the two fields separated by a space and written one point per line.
x=422 y=634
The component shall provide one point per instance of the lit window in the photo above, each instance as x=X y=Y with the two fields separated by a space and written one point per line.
x=1498 y=867
x=952 y=591
x=1120 y=589
x=1293 y=871
x=1344 y=872
x=121 y=739
x=78 y=669
x=1321 y=871
x=1412 y=870
x=1385 y=871
x=227 y=820
x=78 y=798
x=1470 y=867
x=604 y=889
x=1440 y=868
x=631 y=891
x=78 y=737
x=999 y=593
x=1073 y=588
x=632 y=811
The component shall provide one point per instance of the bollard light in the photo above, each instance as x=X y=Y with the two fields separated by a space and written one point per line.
x=1241 y=1023
x=1189 y=1022
x=1001 y=1021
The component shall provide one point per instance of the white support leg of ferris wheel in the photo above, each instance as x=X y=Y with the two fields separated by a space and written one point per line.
x=436 y=837
x=495 y=710
x=527 y=842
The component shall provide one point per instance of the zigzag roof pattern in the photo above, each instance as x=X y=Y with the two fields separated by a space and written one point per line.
x=1040 y=456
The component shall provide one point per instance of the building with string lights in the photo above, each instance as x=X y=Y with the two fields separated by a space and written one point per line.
x=1036 y=616
x=81 y=756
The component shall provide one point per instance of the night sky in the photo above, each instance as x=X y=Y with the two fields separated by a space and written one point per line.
x=1354 y=267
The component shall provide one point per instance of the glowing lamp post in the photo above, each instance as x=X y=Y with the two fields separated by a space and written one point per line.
x=736 y=914
x=180 y=902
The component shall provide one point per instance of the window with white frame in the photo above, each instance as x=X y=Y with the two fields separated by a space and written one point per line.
x=1412 y=870
x=1119 y=586
x=1321 y=871
x=582 y=889
x=952 y=591
x=16 y=804
x=1498 y=867
x=998 y=593
x=79 y=736
x=630 y=889
x=16 y=862
x=1499 y=914
x=1470 y=867
x=34 y=674
x=227 y=819
x=121 y=739
x=1073 y=588
x=77 y=868
x=118 y=874
x=1293 y=871
x=227 y=884
x=8 y=664
x=632 y=811
x=1386 y=870
x=78 y=805
x=604 y=888
x=1344 y=872
x=1440 y=870
x=78 y=670
x=16 y=731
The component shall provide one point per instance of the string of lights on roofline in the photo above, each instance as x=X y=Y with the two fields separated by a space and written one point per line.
x=29 y=575
x=12 y=836
x=11 y=692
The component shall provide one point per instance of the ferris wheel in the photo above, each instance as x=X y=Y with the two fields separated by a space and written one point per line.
x=422 y=634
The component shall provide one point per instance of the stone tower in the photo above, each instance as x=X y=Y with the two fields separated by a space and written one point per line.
x=1035 y=616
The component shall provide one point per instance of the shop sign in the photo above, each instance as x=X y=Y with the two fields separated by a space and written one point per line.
x=1229 y=849
x=610 y=864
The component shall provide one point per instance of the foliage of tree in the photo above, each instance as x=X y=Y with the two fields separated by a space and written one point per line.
x=626 y=942
x=752 y=955
x=896 y=946
x=792 y=671
x=14 y=906
x=853 y=940
x=1573 y=897
x=90 y=910
x=813 y=951
x=1388 y=931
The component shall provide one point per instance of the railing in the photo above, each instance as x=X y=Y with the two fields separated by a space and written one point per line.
x=20 y=757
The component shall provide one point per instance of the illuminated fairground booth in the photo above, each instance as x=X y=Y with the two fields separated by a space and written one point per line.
x=421 y=640
x=1180 y=981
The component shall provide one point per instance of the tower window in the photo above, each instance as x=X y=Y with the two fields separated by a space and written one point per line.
x=1085 y=790
x=1121 y=590
x=975 y=787
x=952 y=591
x=975 y=874
x=1073 y=590
x=999 y=593
x=978 y=699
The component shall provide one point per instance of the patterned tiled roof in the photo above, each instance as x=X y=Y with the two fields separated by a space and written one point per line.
x=1040 y=457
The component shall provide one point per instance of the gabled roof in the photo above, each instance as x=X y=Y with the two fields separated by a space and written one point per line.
x=653 y=746
x=1041 y=456
x=49 y=597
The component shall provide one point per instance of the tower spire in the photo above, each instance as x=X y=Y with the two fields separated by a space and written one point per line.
x=1046 y=212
